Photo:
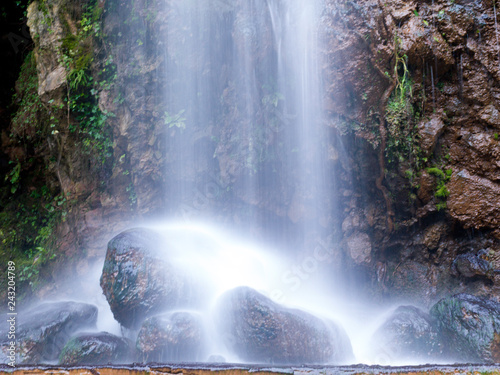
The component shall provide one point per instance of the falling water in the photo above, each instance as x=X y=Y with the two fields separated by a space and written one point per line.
x=246 y=75
x=243 y=107
x=248 y=185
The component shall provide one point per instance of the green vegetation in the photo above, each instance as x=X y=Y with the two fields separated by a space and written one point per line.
x=30 y=209
x=31 y=119
x=441 y=192
x=78 y=53
x=31 y=195
x=176 y=121
x=402 y=149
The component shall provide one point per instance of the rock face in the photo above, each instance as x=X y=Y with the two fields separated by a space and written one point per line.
x=96 y=349
x=360 y=247
x=471 y=265
x=261 y=331
x=136 y=280
x=452 y=60
x=474 y=200
x=176 y=336
x=44 y=330
x=470 y=327
x=408 y=335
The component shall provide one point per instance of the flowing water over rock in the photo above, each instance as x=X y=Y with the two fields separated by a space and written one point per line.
x=243 y=116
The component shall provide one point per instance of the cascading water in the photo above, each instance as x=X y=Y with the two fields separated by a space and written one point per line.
x=247 y=74
x=243 y=266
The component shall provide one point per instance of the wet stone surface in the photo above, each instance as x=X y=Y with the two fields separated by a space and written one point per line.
x=45 y=329
x=259 y=330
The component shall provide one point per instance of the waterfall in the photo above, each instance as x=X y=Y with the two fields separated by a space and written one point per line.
x=247 y=142
x=243 y=110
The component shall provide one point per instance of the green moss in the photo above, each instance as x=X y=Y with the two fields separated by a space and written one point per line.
x=79 y=52
x=436 y=172
x=442 y=191
x=31 y=115
x=71 y=352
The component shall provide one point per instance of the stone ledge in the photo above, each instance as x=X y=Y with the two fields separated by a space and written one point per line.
x=236 y=369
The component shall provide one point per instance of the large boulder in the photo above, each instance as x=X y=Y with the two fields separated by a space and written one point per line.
x=136 y=279
x=176 y=336
x=96 y=349
x=408 y=335
x=261 y=331
x=45 y=329
x=470 y=326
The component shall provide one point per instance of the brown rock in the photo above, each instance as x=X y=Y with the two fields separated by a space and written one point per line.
x=429 y=132
x=426 y=190
x=432 y=235
x=491 y=116
x=474 y=200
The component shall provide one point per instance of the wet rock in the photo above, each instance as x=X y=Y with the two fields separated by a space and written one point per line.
x=259 y=330
x=427 y=186
x=51 y=72
x=491 y=116
x=471 y=265
x=96 y=349
x=408 y=334
x=433 y=235
x=470 y=326
x=176 y=336
x=474 y=200
x=429 y=131
x=360 y=247
x=136 y=280
x=45 y=329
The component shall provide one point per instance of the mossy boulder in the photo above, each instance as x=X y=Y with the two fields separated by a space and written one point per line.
x=137 y=280
x=45 y=329
x=96 y=349
x=261 y=331
x=470 y=327
x=176 y=336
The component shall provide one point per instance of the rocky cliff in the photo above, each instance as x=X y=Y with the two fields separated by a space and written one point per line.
x=412 y=100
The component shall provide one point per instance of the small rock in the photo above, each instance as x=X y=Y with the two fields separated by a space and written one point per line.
x=360 y=247
x=470 y=326
x=427 y=186
x=471 y=265
x=96 y=349
x=259 y=330
x=429 y=132
x=174 y=336
x=491 y=116
x=433 y=235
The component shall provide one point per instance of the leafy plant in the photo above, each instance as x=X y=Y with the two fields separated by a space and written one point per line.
x=13 y=177
x=84 y=89
x=176 y=120
x=442 y=191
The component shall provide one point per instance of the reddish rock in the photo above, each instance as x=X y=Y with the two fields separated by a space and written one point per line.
x=474 y=201
x=429 y=131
